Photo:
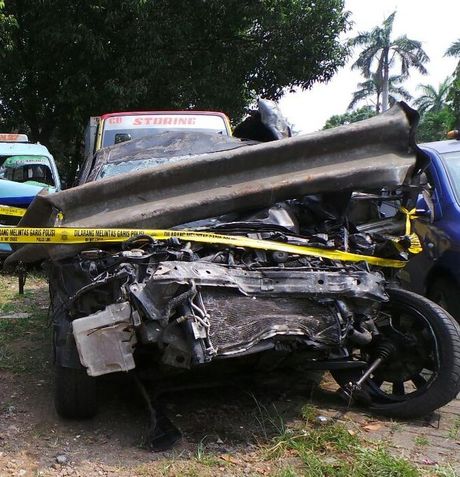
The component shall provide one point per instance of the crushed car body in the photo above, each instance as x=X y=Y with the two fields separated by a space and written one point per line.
x=194 y=176
x=176 y=305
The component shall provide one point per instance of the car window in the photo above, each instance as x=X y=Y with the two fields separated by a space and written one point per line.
x=451 y=162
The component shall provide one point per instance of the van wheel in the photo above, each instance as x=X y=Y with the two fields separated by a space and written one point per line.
x=75 y=393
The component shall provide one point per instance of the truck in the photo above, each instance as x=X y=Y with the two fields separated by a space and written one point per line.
x=113 y=128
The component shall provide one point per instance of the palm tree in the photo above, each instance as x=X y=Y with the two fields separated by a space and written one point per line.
x=373 y=87
x=380 y=49
x=433 y=99
x=454 y=49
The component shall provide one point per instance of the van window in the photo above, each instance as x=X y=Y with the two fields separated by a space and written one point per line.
x=28 y=169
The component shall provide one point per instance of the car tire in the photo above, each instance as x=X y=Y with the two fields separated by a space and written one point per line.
x=446 y=293
x=444 y=383
x=75 y=393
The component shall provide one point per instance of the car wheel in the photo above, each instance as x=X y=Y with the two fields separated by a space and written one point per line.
x=446 y=293
x=423 y=371
x=75 y=393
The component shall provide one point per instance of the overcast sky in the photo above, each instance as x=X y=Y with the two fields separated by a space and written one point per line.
x=435 y=23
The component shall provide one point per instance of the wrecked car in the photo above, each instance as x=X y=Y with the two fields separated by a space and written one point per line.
x=265 y=252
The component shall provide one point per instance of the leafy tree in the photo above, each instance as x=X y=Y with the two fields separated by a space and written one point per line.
x=350 y=117
x=373 y=87
x=380 y=49
x=434 y=125
x=454 y=98
x=433 y=99
x=63 y=61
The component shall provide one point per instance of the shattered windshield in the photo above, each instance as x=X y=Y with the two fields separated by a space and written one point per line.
x=158 y=150
x=33 y=170
x=113 y=169
x=451 y=161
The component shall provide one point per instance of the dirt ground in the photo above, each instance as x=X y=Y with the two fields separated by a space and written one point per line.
x=225 y=428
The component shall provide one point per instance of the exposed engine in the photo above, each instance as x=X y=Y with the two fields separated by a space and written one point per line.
x=194 y=303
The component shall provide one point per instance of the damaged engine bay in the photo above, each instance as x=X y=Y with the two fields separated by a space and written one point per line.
x=194 y=303
x=173 y=305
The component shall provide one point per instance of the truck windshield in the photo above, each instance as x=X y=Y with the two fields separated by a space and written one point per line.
x=124 y=128
x=109 y=170
x=451 y=161
x=35 y=170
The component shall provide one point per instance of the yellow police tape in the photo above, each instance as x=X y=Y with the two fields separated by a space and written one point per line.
x=416 y=245
x=75 y=235
x=13 y=211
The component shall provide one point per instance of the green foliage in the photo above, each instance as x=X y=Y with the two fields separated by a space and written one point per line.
x=435 y=125
x=433 y=99
x=454 y=98
x=63 y=61
x=365 y=112
x=442 y=106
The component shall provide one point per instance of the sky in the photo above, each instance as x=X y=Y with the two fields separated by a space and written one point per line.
x=435 y=23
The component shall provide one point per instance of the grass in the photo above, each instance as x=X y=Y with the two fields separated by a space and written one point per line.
x=270 y=421
x=287 y=472
x=332 y=451
x=454 y=430
x=309 y=413
x=203 y=457
x=24 y=342
x=445 y=471
x=421 y=441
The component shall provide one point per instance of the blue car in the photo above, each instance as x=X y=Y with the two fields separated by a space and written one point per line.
x=435 y=272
